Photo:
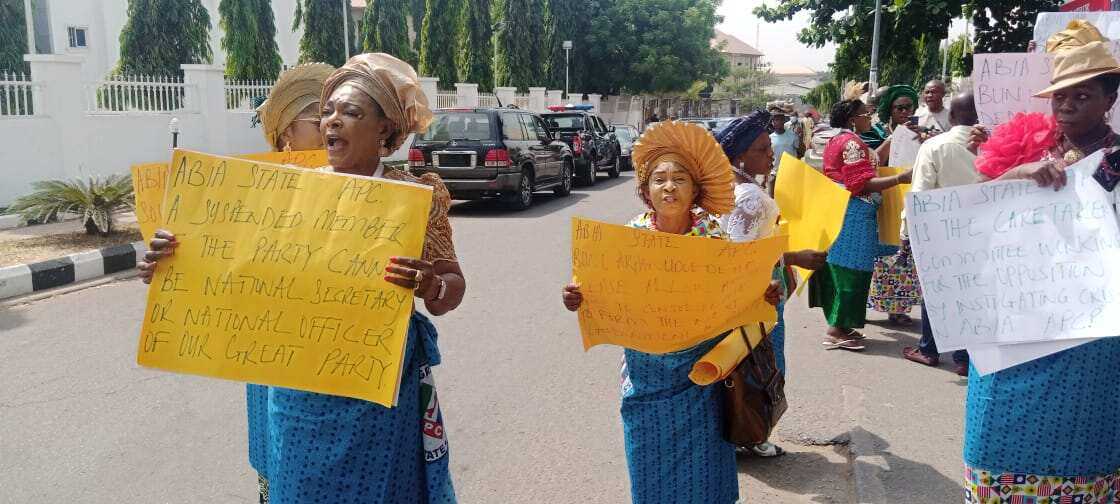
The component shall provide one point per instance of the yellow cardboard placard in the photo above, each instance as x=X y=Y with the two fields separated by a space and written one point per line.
x=279 y=277
x=812 y=204
x=149 y=181
x=659 y=292
x=303 y=159
x=890 y=212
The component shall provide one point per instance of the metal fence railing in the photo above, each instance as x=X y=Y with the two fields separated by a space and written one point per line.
x=240 y=94
x=135 y=94
x=16 y=95
x=446 y=99
x=487 y=100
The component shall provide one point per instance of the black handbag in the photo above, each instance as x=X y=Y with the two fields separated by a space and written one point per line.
x=754 y=396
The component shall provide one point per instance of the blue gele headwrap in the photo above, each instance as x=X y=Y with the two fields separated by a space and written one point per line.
x=738 y=135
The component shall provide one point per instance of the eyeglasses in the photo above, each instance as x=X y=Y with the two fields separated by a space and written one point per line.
x=867 y=114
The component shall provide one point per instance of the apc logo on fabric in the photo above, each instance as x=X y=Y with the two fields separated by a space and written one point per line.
x=435 y=442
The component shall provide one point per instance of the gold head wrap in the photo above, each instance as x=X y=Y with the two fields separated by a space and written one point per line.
x=1081 y=53
x=391 y=83
x=295 y=90
x=693 y=148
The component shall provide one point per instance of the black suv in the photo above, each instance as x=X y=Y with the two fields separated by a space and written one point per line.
x=493 y=152
x=593 y=143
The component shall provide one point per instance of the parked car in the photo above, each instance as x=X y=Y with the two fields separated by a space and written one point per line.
x=493 y=152
x=626 y=135
x=594 y=145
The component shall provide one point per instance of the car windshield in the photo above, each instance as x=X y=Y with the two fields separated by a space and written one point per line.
x=447 y=126
x=571 y=122
x=624 y=135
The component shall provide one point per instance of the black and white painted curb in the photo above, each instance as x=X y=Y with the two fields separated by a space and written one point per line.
x=28 y=278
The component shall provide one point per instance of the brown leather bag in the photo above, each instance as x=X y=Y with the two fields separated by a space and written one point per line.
x=754 y=396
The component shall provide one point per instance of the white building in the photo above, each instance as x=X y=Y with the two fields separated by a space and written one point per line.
x=91 y=30
x=736 y=52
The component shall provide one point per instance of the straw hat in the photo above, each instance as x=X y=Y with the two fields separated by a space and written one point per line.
x=296 y=89
x=1081 y=54
x=692 y=147
x=780 y=108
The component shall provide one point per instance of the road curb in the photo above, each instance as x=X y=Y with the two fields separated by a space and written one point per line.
x=24 y=279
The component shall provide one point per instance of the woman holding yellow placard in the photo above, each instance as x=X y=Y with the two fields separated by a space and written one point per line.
x=842 y=287
x=325 y=448
x=675 y=449
x=755 y=217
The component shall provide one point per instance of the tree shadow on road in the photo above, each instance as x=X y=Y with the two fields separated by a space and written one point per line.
x=11 y=318
x=881 y=476
x=817 y=474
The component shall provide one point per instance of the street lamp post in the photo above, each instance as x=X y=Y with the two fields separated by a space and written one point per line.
x=28 y=19
x=174 y=129
x=567 y=65
x=875 y=49
x=346 y=27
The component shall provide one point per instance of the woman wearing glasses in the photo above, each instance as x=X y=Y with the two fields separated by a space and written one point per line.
x=841 y=287
x=894 y=286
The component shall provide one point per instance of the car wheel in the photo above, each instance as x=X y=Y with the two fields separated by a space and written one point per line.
x=565 y=187
x=523 y=198
x=588 y=177
x=616 y=167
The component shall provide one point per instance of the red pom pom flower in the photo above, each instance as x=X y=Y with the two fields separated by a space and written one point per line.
x=1026 y=138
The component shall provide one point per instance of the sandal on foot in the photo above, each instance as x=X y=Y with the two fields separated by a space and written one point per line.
x=901 y=319
x=847 y=344
x=853 y=334
x=762 y=450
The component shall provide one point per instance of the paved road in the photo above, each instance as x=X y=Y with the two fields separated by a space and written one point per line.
x=531 y=417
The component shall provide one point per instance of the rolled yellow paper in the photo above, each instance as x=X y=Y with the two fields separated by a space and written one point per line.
x=725 y=356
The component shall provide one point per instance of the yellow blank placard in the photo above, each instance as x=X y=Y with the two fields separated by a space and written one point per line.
x=812 y=204
x=658 y=292
x=279 y=277
x=890 y=212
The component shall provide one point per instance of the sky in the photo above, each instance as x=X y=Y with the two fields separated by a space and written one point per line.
x=778 y=41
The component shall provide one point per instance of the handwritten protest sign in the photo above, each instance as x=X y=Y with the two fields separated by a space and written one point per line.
x=904 y=147
x=1049 y=23
x=149 y=181
x=1005 y=83
x=1010 y=262
x=279 y=277
x=890 y=212
x=305 y=159
x=812 y=204
x=659 y=292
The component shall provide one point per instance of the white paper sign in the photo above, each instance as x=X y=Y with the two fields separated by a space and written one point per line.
x=904 y=147
x=991 y=358
x=1005 y=83
x=1049 y=23
x=1011 y=262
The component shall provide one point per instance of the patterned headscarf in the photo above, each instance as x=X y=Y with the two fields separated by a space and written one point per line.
x=739 y=134
x=295 y=90
x=391 y=83
x=886 y=101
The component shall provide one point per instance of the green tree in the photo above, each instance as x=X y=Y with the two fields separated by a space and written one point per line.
x=385 y=29
x=561 y=23
x=160 y=35
x=323 y=36
x=13 y=36
x=416 y=11
x=747 y=85
x=249 y=39
x=653 y=46
x=518 y=46
x=1000 y=27
x=1007 y=26
x=439 y=41
x=960 y=58
x=476 y=47
x=824 y=96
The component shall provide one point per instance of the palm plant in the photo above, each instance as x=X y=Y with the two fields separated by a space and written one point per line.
x=96 y=200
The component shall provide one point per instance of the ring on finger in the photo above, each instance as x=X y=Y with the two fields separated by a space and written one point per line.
x=419 y=278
